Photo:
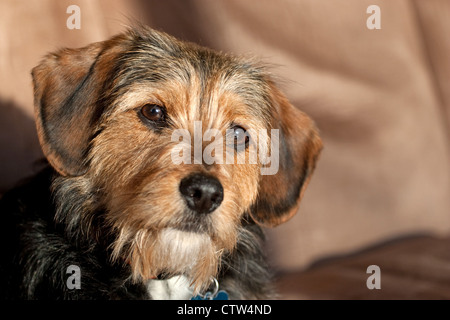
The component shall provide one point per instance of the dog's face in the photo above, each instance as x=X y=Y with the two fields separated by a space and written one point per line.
x=107 y=115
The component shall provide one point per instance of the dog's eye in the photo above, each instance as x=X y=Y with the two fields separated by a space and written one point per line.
x=241 y=137
x=153 y=112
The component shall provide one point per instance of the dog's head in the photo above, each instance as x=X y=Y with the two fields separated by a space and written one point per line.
x=165 y=133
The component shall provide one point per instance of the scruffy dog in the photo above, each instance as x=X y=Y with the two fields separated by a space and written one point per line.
x=114 y=205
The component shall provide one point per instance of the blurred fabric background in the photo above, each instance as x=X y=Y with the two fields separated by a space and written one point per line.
x=381 y=99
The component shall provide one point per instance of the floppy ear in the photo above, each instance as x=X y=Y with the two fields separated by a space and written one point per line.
x=299 y=147
x=67 y=85
x=64 y=93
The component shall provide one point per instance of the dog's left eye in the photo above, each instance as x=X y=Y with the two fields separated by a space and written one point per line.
x=241 y=137
x=153 y=112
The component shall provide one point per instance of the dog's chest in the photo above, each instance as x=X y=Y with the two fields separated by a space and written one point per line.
x=175 y=288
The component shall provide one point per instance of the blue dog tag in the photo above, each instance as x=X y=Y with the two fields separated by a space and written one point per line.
x=221 y=295
x=215 y=295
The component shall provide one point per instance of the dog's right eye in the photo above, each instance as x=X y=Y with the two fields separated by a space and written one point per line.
x=153 y=112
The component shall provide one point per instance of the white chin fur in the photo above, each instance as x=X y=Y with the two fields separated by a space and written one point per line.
x=182 y=248
x=181 y=254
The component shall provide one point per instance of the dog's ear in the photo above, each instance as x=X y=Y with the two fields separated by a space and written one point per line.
x=299 y=147
x=64 y=93
x=67 y=85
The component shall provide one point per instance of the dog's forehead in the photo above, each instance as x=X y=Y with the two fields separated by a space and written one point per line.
x=157 y=63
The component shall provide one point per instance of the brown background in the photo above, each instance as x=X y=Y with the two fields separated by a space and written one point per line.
x=381 y=99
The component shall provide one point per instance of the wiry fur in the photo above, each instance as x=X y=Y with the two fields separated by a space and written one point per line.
x=111 y=201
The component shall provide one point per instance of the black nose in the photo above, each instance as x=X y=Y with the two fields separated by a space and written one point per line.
x=203 y=193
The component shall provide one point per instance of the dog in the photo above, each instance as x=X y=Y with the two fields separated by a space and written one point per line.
x=112 y=205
